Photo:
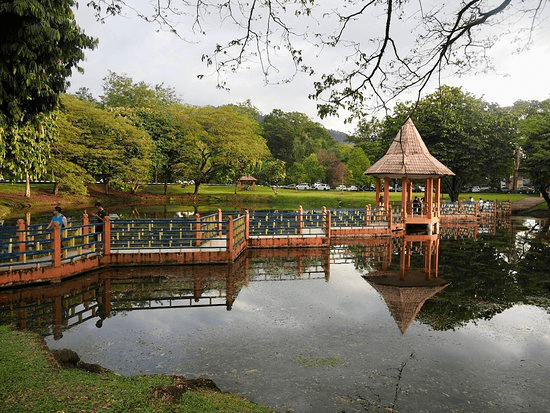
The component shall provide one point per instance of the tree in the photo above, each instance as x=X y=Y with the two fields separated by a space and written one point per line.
x=271 y=171
x=40 y=45
x=357 y=164
x=474 y=139
x=156 y=110
x=219 y=140
x=122 y=91
x=292 y=136
x=314 y=170
x=375 y=64
x=536 y=128
x=102 y=143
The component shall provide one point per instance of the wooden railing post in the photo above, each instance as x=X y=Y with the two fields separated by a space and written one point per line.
x=247 y=225
x=368 y=217
x=328 y=215
x=220 y=223
x=198 y=234
x=389 y=213
x=56 y=243
x=301 y=220
x=107 y=236
x=230 y=235
x=21 y=238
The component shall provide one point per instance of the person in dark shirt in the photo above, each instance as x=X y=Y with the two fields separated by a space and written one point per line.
x=100 y=215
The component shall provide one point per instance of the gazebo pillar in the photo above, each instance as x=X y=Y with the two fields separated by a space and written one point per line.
x=437 y=197
x=386 y=193
x=404 y=197
x=378 y=186
x=429 y=197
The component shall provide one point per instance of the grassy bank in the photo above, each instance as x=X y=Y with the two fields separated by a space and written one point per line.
x=151 y=199
x=32 y=381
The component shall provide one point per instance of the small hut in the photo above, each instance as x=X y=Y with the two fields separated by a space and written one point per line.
x=247 y=182
x=409 y=160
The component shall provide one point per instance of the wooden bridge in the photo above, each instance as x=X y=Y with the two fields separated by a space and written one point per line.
x=31 y=253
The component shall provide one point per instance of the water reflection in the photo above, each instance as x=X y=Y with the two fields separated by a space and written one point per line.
x=479 y=344
x=487 y=274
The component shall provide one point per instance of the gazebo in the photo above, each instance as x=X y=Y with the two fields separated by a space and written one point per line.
x=247 y=181
x=409 y=160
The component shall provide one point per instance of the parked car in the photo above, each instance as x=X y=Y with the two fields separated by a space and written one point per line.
x=352 y=188
x=321 y=186
x=341 y=188
x=525 y=190
x=303 y=186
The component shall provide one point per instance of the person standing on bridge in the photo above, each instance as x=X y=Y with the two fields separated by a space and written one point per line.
x=60 y=219
x=100 y=215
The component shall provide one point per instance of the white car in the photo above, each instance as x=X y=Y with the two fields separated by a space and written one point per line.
x=303 y=186
x=321 y=187
x=352 y=188
x=341 y=188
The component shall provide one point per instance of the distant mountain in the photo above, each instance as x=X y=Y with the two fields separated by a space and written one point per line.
x=339 y=136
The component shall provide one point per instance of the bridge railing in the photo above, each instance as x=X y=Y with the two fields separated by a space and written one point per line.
x=275 y=223
x=166 y=233
x=24 y=245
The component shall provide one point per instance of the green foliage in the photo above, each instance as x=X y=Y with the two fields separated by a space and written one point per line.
x=40 y=44
x=122 y=91
x=314 y=170
x=475 y=140
x=270 y=170
x=357 y=164
x=103 y=144
x=535 y=126
x=292 y=136
x=220 y=141
x=26 y=148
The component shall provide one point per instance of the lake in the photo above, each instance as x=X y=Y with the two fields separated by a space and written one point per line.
x=455 y=323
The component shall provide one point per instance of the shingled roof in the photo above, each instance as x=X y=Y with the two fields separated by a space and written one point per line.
x=408 y=157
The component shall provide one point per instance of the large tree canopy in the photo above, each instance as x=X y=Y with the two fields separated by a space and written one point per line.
x=475 y=140
x=535 y=126
x=102 y=144
x=375 y=61
x=40 y=44
x=219 y=141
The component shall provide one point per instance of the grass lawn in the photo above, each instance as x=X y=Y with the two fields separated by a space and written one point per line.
x=31 y=382
x=179 y=198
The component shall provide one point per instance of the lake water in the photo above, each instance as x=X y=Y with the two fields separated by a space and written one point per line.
x=459 y=323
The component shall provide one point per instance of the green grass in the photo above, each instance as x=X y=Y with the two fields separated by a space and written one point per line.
x=30 y=382
x=210 y=198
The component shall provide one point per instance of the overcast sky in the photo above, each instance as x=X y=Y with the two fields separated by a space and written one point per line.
x=136 y=48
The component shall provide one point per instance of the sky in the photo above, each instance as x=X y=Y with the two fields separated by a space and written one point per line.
x=130 y=46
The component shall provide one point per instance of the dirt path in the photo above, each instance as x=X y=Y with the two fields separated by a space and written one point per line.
x=526 y=204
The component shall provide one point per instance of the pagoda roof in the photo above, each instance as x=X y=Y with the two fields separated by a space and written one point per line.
x=408 y=157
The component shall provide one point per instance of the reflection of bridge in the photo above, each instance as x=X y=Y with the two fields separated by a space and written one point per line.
x=97 y=295
x=30 y=253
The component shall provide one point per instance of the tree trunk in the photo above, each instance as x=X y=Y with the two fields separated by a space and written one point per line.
x=55 y=189
x=197 y=184
x=27 y=187
x=545 y=195
x=165 y=187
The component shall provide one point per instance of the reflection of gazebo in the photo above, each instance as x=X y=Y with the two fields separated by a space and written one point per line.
x=405 y=290
x=247 y=181
x=408 y=159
